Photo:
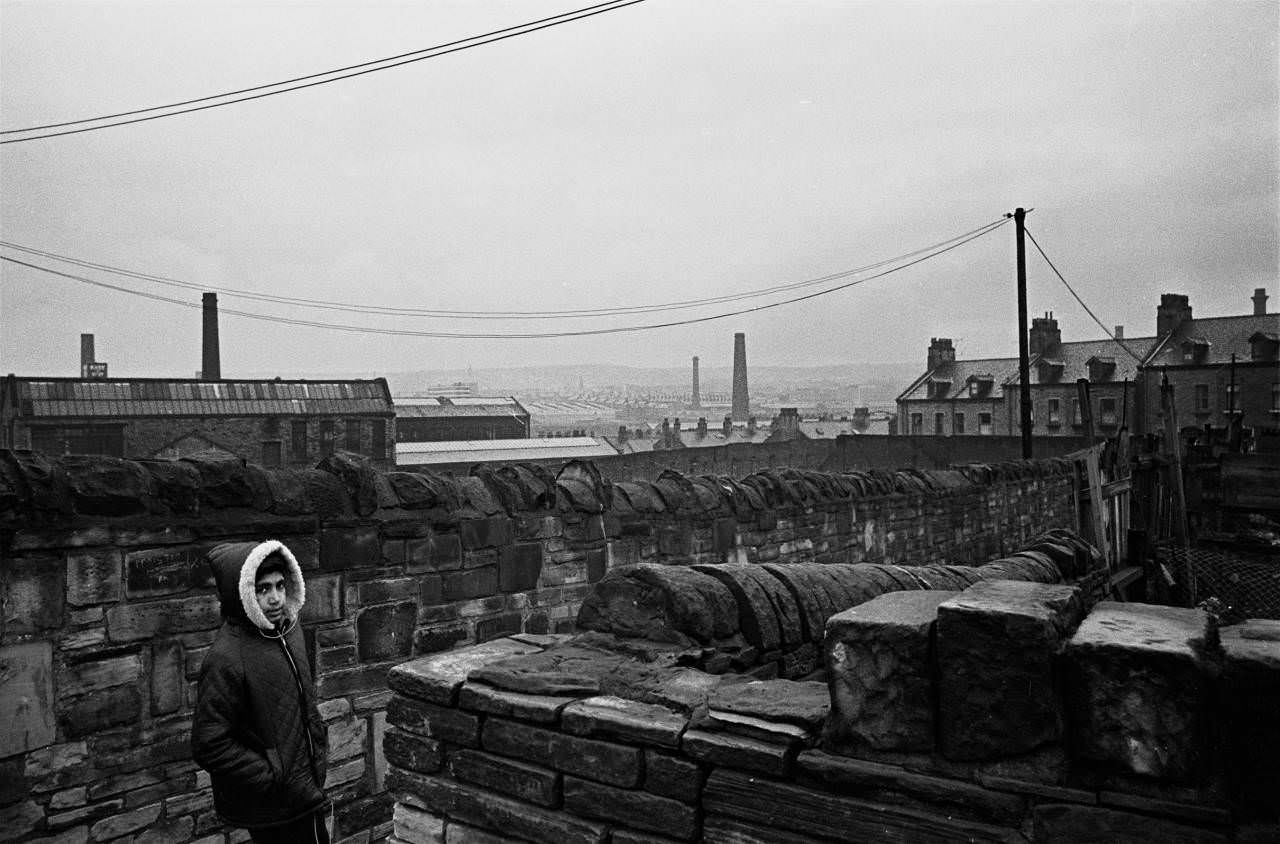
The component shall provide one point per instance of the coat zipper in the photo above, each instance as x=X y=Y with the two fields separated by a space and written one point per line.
x=302 y=702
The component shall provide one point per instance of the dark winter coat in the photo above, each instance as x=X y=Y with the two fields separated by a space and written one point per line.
x=256 y=729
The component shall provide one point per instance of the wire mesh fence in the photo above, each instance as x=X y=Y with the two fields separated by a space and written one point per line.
x=1236 y=584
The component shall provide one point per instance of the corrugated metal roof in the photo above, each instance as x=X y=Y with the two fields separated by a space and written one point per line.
x=158 y=397
x=447 y=411
x=463 y=451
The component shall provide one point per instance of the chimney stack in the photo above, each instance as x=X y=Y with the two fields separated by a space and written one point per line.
x=697 y=398
x=1044 y=335
x=210 y=363
x=741 y=408
x=1119 y=332
x=86 y=354
x=1175 y=309
x=940 y=351
x=702 y=427
x=1260 y=301
x=727 y=427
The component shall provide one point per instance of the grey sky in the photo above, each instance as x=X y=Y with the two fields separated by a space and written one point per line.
x=666 y=151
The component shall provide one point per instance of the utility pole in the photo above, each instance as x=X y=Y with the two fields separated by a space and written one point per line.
x=1024 y=361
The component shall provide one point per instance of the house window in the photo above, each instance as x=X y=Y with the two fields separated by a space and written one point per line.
x=1054 y=416
x=1202 y=398
x=1107 y=412
x=271 y=453
x=984 y=423
x=1076 y=419
x=298 y=439
x=957 y=424
x=917 y=424
x=353 y=434
x=379 y=444
x=326 y=436
x=973 y=389
x=939 y=423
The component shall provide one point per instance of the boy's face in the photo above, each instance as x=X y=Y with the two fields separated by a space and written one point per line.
x=270 y=592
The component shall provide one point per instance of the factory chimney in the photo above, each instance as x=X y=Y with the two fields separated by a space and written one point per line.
x=210 y=362
x=741 y=408
x=697 y=398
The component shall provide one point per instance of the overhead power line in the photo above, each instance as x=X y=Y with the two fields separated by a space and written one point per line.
x=360 y=329
x=298 y=83
x=1087 y=309
x=385 y=310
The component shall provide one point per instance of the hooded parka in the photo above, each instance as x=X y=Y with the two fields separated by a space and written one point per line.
x=256 y=729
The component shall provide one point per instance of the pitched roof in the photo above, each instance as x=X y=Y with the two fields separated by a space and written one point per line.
x=1075 y=357
x=478 y=451
x=1224 y=335
x=957 y=374
x=414 y=407
x=125 y=397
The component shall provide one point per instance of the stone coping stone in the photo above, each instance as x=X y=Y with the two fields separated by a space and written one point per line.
x=804 y=703
x=1140 y=688
x=874 y=780
x=437 y=678
x=738 y=752
x=756 y=617
x=879 y=659
x=663 y=603
x=629 y=720
x=997 y=646
x=773 y=732
x=540 y=709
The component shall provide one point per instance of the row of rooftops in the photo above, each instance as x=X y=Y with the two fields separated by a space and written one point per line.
x=1185 y=341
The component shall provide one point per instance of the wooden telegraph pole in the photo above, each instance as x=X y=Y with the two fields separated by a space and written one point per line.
x=1024 y=360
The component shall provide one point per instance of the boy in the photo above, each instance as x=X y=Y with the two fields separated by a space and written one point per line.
x=256 y=728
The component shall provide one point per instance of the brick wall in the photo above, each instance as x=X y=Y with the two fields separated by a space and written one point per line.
x=108 y=611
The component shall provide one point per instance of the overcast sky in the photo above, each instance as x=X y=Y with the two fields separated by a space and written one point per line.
x=662 y=152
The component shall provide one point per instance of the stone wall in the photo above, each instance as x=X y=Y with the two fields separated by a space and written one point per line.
x=991 y=714
x=108 y=610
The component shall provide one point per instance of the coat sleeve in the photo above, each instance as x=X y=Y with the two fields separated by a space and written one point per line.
x=216 y=745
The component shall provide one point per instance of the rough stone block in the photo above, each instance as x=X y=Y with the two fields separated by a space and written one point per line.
x=101 y=709
x=26 y=697
x=346 y=738
x=1250 y=695
x=486 y=533
x=597 y=564
x=386 y=631
x=1140 y=689
x=385 y=590
x=412 y=751
x=428 y=641
x=34 y=595
x=672 y=776
x=879 y=660
x=437 y=722
x=365 y=678
x=122 y=824
x=90 y=675
x=1061 y=823
x=165 y=571
x=167 y=677
x=531 y=783
x=663 y=603
x=437 y=678
x=539 y=709
x=738 y=752
x=93 y=577
x=802 y=703
x=437 y=552
x=637 y=809
x=324 y=598
x=519 y=566
x=349 y=548
x=628 y=720
x=497 y=626
x=999 y=690
x=470 y=583
x=490 y=811
x=756 y=617
x=598 y=760
x=411 y=824
x=133 y=621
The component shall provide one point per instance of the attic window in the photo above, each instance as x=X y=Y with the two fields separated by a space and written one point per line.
x=1100 y=369
x=1264 y=345
x=1051 y=369
x=1194 y=349
x=938 y=388
x=979 y=385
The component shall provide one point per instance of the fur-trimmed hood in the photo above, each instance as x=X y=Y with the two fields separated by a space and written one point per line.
x=235 y=568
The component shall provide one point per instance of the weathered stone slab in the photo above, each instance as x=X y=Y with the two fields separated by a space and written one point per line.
x=719 y=829
x=999 y=691
x=672 y=776
x=1060 y=823
x=637 y=809
x=809 y=595
x=93 y=577
x=531 y=783
x=738 y=752
x=891 y=784
x=412 y=751
x=756 y=618
x=754 y=800
x=790 y=625
x=411 y=824
x=760 y=729
x=598 y=760
x=1250 y=697
x=132 y=621
x=475 y=806
x=615 y=717
x=437 y=678
x=437 y=722
x=879 y=660
x=540 y=709
x=1140 y=689
x=803 y=703
x=26 y=697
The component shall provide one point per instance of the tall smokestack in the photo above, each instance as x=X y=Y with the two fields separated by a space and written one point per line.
x=697 y=396
x=741 y=409
x=210 y=363
x=86 y=354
